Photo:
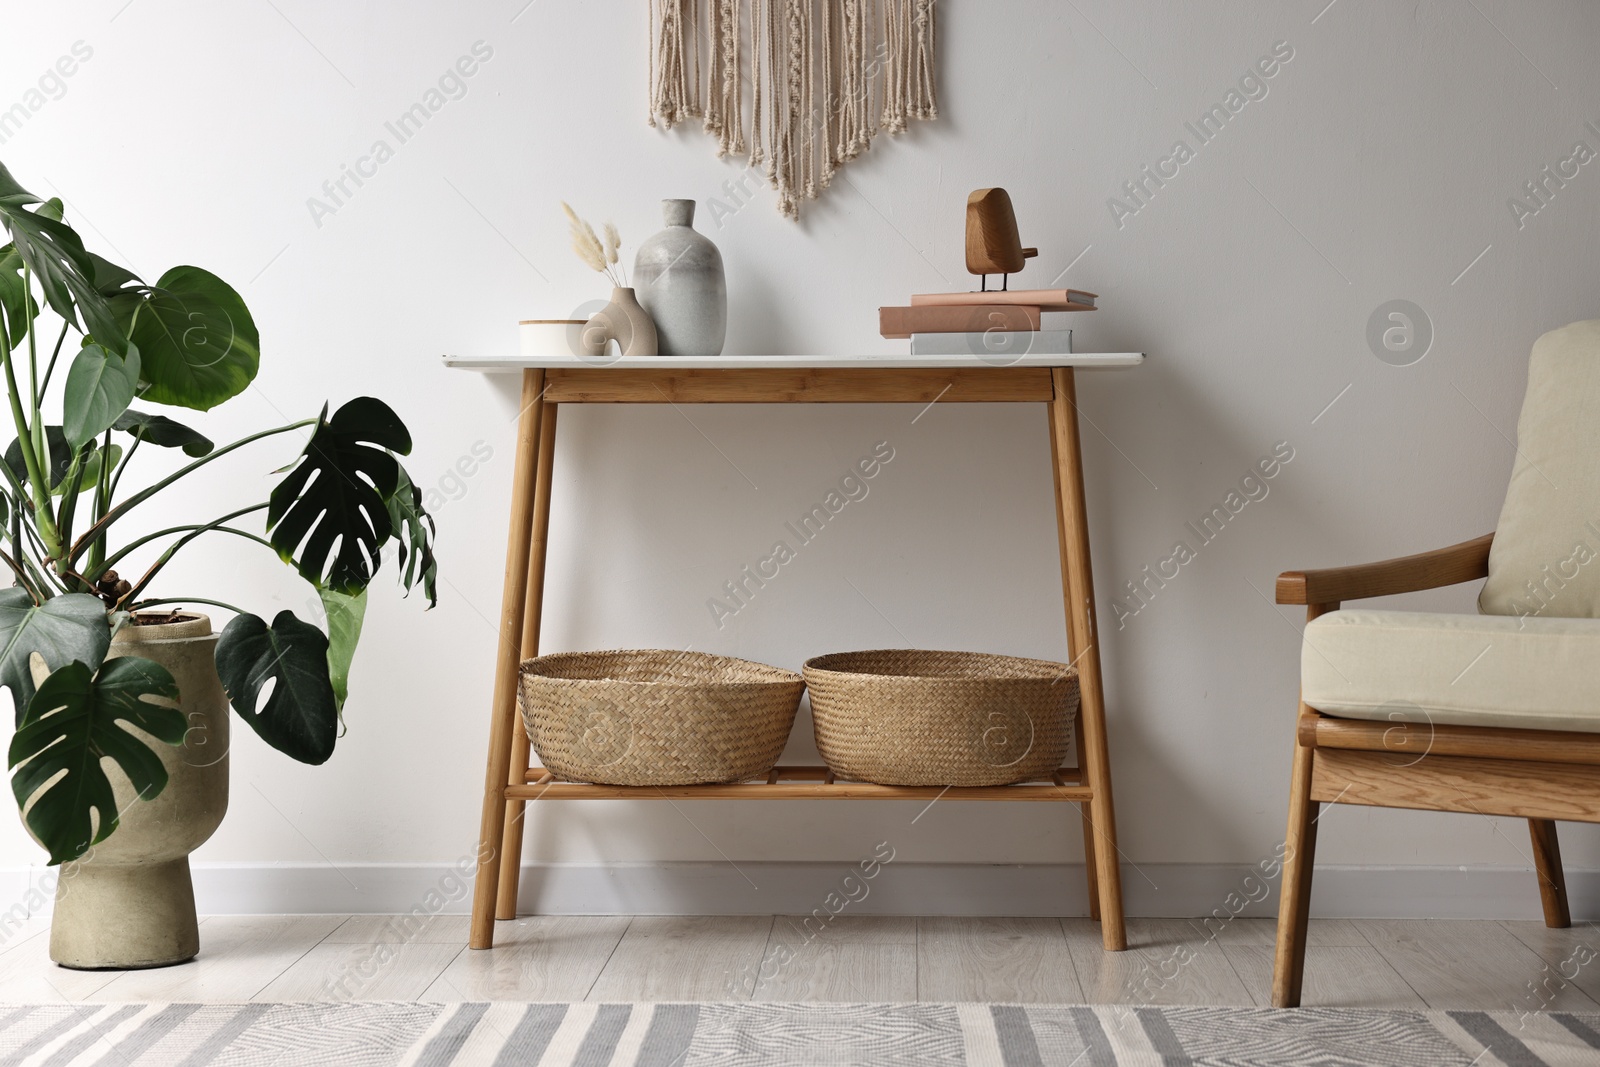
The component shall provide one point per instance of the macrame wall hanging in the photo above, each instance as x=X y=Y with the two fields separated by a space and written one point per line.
x=801 y=87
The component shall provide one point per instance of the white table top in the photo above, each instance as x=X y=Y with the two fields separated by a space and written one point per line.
x=1084 y=360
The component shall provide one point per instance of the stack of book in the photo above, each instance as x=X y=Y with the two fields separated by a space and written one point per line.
x=1003 y=323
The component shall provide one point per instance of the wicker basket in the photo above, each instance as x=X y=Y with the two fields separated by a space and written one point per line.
x=656 y=717
x=909 y=717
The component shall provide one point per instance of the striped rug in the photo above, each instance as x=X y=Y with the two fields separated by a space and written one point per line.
x=736 y=1035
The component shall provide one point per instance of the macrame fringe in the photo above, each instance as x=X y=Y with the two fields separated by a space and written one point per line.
x=825 y=77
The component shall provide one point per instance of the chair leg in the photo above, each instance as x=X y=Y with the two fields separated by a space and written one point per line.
x=1552 y=879
x=1294 y=907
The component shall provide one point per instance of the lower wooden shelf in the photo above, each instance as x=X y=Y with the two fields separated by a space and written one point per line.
x=798 y=783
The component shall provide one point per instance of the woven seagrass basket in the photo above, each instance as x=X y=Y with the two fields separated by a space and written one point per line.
x=910 y=717
x=656 y=717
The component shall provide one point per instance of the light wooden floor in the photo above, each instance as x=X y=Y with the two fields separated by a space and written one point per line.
x=1482 y=965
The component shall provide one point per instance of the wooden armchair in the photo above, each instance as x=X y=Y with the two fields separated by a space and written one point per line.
x=1495 y=714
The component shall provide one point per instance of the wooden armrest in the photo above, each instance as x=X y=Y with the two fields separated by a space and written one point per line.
x=1428 y=570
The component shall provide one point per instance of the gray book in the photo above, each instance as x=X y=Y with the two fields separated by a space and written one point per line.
x=993 y=344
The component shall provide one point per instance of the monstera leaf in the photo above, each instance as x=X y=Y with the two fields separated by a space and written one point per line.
x=73 y=722
x=69 y=627
x=163 y=432
x=11 y=193
x=60 y=457
x=414 y=530
x=301 y=717
x=97 y=464
x=198 y=342
x=345 y=616
x=122 y=289
x=55 y=254
x=61 y=462
x=100 y=386
x=338 y=492
x=18 y=304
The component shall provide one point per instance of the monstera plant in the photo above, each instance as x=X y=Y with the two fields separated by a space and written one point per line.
x=126 y=347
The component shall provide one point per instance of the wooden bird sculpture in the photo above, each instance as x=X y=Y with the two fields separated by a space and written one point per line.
x=993 y=245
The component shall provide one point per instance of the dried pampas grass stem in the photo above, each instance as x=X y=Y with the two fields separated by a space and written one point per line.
x=595 y=255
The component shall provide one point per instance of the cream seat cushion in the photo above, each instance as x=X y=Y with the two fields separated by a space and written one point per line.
x=1536 y=673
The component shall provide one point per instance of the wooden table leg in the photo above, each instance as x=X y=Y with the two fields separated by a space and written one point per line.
x=1088 y=835
x=503 y=712
x=1078 y=742
x=533 y=603
x=1078 y=587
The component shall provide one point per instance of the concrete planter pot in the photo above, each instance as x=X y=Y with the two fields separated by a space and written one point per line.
x=129 y=903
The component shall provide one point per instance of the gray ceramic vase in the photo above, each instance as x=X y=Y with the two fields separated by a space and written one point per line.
x=678 y=274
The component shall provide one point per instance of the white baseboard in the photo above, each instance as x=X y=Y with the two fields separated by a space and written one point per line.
x=900 y=888
x=970 y=889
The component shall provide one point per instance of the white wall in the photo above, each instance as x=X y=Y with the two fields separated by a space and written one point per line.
x=1377 y=167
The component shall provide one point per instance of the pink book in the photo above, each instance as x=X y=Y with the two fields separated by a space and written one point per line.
x=1043 y=299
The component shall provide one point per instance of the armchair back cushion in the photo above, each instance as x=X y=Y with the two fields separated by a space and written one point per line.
x=1546 y=555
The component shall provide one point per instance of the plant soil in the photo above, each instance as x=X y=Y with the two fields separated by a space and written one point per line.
x=157 y=618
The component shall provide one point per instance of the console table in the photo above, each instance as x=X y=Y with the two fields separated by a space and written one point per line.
x=547 y=383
